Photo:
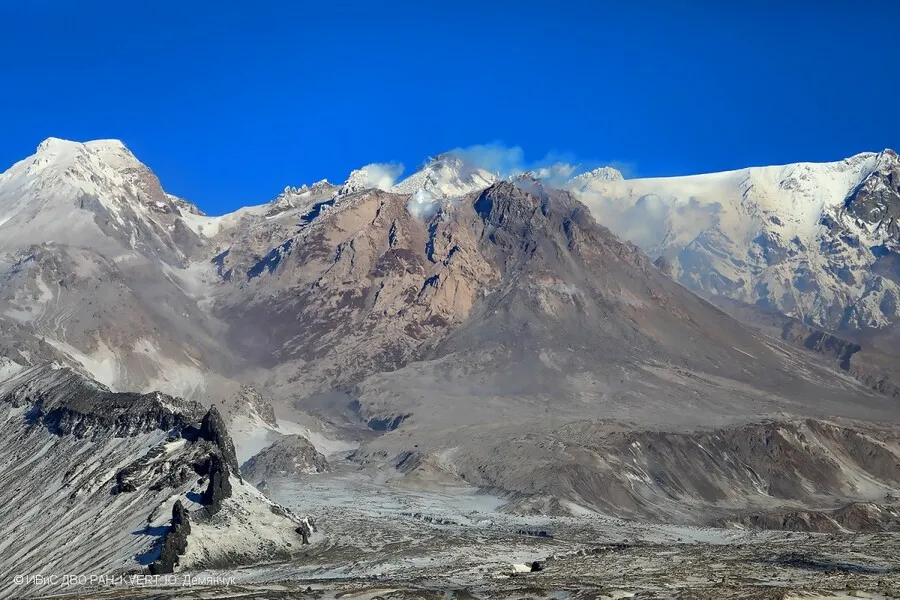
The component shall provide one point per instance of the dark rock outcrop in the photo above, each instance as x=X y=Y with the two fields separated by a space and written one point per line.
x=535 y=533
x=388 y=423
x=174 y=543
x=304 y=530
x=429 y=519
x=213 y=429
x=209 y=453
x=881 y=378
x=219 y=487
x=829 y=345
x=253 y=402
x=665 y=265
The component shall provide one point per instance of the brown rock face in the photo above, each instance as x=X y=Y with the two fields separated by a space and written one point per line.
x=514 y=291
x=360 y=291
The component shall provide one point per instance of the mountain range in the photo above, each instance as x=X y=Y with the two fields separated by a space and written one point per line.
x=678 y=349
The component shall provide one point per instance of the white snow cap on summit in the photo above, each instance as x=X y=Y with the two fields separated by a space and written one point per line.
x=60 y=153
x=447 y=175
x=54 y=145
x=598 y=174
x=66 y=188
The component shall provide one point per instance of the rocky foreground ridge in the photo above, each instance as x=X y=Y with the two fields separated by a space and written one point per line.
x=103 y=482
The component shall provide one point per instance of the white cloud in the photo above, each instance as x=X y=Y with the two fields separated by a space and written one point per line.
x=554 y=174
x=650 y=220
x=509 y=161
x=423 y=205
x=494 y=157
x=382 y=175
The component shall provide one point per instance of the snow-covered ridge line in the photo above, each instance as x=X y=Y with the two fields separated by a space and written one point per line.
x=812 y=240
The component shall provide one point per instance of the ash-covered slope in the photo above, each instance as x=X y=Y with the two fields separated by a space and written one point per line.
x=128 y=324
x=696 y=475
x=577 y=323
x=816 y=241
x=97 y=482
x=514 y=294
x=872 y=366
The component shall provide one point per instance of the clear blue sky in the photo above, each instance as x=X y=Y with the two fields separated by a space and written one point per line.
x=229 y=102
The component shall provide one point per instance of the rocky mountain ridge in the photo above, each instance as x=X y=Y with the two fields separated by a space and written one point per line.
x=105 y=471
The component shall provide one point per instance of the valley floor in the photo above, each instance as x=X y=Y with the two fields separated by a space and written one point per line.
x=377 y=539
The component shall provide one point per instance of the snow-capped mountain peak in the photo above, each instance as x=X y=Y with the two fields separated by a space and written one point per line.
x=598 y=174
x=447 y=175
x=56 y=153
x=750 y=234
x=93 y=168
x=91 y=194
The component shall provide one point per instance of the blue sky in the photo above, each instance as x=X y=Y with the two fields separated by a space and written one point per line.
x=229 y=102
